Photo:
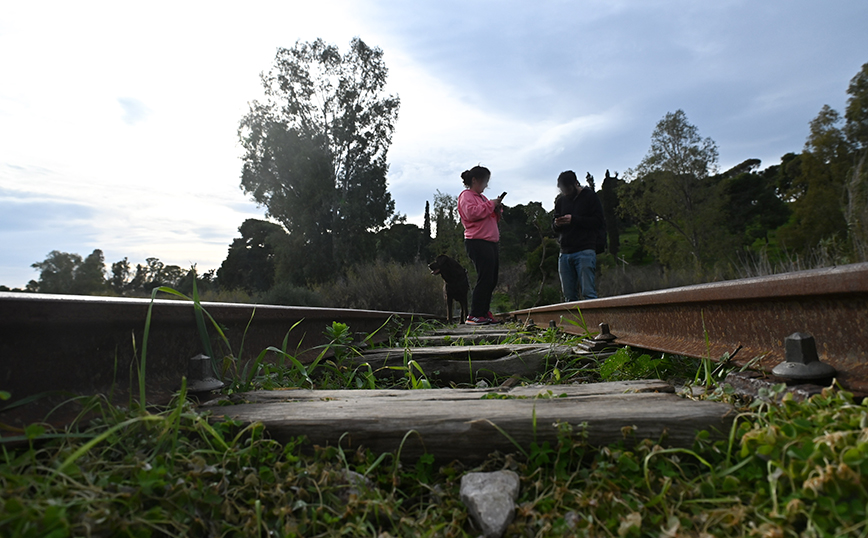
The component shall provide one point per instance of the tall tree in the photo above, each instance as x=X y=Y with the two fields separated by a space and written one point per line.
x=828 y=190
x=204 y=282
x=751 y=206
x=315 y=150
x=400 y=242
x=856 y=210
x=856 y=113
x=57 y=272
x=672 y=194
x=609 y=200
x=787 y=175
x=120 y=276
x=63 y=272
x=250 y=263
x=90 y=275
x=449 y=234
x=426 y=227
x=518 y=234
x=818 y=189
x=677 y=148
x=154 y=274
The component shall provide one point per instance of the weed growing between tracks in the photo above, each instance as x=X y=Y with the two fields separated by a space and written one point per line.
x=171 y=473
x=793 y=469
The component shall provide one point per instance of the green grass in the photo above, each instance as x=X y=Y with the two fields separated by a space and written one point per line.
x=793 y=469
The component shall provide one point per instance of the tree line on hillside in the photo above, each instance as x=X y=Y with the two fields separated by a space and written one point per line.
x=689 y=215
x=315 y=159
x=69 y=273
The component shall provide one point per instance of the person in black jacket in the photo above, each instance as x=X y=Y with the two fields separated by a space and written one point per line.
x=578 y=217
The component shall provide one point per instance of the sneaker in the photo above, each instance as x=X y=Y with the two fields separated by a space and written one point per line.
x=491 y=319
x=473 y=320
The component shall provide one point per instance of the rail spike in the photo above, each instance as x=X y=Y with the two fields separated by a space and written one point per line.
x=802 y=364
x=200 y=377
x=604 y=340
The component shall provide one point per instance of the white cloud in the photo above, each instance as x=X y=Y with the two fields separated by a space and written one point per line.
x=134 y=111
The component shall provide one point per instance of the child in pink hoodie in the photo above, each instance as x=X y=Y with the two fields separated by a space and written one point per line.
x=480 y=217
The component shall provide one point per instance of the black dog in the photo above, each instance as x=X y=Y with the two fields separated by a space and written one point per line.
x=457 y=284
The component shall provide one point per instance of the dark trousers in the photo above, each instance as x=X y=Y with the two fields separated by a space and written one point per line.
x=485 y=257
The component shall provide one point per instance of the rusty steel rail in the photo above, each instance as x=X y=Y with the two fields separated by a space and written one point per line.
x=751 y=315
x=86 y=345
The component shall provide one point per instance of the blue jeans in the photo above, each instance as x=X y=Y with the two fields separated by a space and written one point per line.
x=577 y=271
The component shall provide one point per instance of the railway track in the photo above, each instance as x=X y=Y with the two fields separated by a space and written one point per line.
x=748 y=319
x=88 y=344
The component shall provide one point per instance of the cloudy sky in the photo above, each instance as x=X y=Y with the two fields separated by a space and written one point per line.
x=118 y=120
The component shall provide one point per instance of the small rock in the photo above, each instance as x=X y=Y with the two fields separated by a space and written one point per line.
x=356 y=483
x=572 y=519
x=490 y=500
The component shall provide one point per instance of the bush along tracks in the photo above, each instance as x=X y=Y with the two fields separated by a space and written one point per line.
x=780 y=467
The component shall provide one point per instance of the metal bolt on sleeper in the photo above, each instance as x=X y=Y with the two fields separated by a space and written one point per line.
x=200 y=375
x=605 y=335
x=802 y=362
x=604 y=340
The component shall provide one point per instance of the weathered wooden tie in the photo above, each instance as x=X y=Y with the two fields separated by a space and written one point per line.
x=466 y=364
x=466 y=335
x=469 y=424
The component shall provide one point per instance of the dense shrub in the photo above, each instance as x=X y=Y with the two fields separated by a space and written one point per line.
x=284 y=293
x=226 y=296
x=387 y=286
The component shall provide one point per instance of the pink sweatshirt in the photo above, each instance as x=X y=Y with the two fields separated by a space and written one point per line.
x=478 y=216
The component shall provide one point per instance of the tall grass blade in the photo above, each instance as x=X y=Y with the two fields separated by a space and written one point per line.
x=509 y=438
x=217 y=327
x=144 y=360
x=244 y=335
x=671 y=451
x=200 y=324
x=371 y=336
x=85 y=448
x=174 y=422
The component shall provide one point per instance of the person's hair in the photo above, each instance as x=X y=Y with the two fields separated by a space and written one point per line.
x=478 y=172
x=568 y=178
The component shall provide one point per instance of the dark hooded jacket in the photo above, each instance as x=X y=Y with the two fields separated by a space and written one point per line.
x=587 y=217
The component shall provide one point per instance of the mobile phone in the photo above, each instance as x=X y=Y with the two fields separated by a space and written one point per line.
x=503 y=195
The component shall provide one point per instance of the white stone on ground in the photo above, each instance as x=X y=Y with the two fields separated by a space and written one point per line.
x=490 y=500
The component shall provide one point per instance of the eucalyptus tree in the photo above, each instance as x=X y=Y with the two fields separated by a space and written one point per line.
x=315 y=151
